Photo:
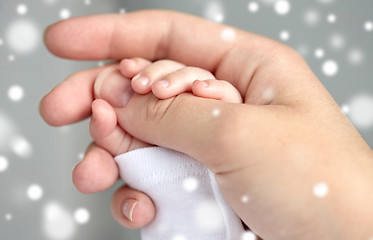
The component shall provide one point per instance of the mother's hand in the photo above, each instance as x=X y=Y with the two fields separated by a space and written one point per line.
x=288 y=136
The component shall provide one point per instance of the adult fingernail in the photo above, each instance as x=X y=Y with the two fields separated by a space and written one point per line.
x=100 y=80
x=128 y=208
x=143 y=80
x=113 y=87
x=127 y=97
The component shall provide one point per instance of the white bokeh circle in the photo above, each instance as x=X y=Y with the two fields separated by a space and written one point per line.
x=284 y=35
x=368 y=26
x=248 y=235
x=311 y=17
x=331 y=18
x=282 y=7
x=7 y=131
x=208 y=216
x=214 y=11
x=3 y=163
x=190 y=184
x=355 y=56
x=320 y=190
x=58 y=223
x=319 y=53
x=35 y=192
x=65 y=13
x=326 y=1
x=361 y=111
x=22 y=9
x=15 y=93
x=81 y=215
x=21 y=146
x=228 y=34
x=253 y=7
x=330 y=68
x=23 y=36
x=337 y=41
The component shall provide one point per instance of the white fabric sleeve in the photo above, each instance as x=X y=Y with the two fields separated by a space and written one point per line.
x=189 y=204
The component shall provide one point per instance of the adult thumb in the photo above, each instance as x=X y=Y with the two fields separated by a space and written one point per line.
x=201 y=128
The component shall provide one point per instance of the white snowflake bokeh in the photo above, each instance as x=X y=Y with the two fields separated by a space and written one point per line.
x=16 y=93
x=361 y=111
x=355 y=56
x=330 y=68
x=190 y=184
x=326 y=1
x=22 y=9
x=65 y=13
x=7 y=130
x=11 y=58
x=4 y=163
x=321 y=189
x=179 y=237
x=50 y=1
x=282 y=7
x=214 y=11
x=312 y=17
x=58 y=224
x=368 y=26
x=253 y=7
x=228 y=35
x=216 y=112
x=331 y=18
x=245 y=199
x=337 y=41
x=8 y=217
x=319 y=53
x=21 y=146
x=284 y=35
x=23 y=36
x=81 y=216
x=208 y=216
x=34 y=192
x=248 y=235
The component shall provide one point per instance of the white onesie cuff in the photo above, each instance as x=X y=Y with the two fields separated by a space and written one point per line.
x=188 y=201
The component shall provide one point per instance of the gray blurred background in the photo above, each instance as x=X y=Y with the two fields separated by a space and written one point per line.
x=37 y=197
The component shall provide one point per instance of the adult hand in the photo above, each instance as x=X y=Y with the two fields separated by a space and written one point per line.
x=287 y=160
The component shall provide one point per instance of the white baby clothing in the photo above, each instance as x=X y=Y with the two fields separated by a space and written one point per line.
x=188 y=201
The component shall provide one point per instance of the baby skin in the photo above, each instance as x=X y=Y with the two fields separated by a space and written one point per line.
x=165 y=79
x=188 y=202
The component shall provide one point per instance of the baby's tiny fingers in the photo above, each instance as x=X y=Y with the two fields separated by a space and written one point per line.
x=129 y=67
x=216 y=89
x=179 y=81
x=142 y=82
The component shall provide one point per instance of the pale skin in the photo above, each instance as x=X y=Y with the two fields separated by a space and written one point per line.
x=273 y=148
x=165 y=79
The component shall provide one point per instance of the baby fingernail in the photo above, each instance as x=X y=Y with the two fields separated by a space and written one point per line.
x=164 y=83
x=128 y=62
x=143 y=80
x=204 y=84
x=128 y=207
